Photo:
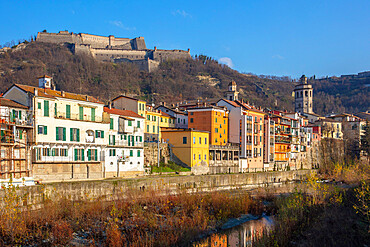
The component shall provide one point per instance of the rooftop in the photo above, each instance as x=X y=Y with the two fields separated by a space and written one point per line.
x=126 y=113
x=50 y=93
x=11 y=103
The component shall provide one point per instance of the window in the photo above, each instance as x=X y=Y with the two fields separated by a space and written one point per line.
x=140 y=138
x=205 y=140
x=79 y=154
x=162 y=120
x=42 y=130
x=81 y=113
x=205 y=157
x=68 y=111
x=216 y=130
x=46 y=152
x=191 y=113
x=75 y=135
x=216 y=140
x=93 y=114
x=92 y=154
x=99 y=134
x=153 y=129
x=191 y=120
x=200 y=157
x=147 y=128
x=111 y=124
x=39 y=105
x=193 y=156
x=193 y=140
x=154 y=118
x=138 y=153
x=148 y=117
x=112 y=152
x=131 y=153
x=46 y=108
x=184 y=140
x=60 y=134
x=138 y=124
x=112 y=140
x=200 y=140
x=55 y=109
x=216 y=120
x=129 y=123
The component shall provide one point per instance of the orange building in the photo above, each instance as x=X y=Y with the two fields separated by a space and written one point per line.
x=213 y=119
x=283 y=140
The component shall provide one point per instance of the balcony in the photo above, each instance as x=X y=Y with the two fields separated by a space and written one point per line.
x=78 y=117
x=126 y=143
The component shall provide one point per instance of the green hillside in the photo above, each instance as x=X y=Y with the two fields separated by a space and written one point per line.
x=198 y=78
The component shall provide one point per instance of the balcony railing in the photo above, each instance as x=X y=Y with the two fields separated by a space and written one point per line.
x=126 y=143
x=63 y=115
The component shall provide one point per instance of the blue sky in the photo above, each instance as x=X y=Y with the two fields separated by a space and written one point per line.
x=274 y=37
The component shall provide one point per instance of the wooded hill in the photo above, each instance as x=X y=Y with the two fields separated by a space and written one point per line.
x=199 y=78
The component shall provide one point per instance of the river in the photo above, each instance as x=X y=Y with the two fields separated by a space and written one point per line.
x=238 y=232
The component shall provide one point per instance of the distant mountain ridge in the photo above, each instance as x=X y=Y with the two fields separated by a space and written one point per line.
x=177 y=80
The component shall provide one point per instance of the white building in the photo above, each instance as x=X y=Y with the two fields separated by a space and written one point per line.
x=124 y=154
x=69 y=129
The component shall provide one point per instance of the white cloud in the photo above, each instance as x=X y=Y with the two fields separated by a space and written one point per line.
x=227 y=61
x=182 y=13
x=277 y=56
x=120 y=25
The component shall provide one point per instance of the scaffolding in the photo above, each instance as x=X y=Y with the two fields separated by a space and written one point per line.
x=14 y=149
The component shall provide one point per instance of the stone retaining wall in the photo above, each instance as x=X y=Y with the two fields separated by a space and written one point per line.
x=113 y=189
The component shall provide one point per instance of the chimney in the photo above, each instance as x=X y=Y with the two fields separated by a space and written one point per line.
x=36 y=92
x=188 y=50
x=155 y=48
x=62 y=93
x=110 y=104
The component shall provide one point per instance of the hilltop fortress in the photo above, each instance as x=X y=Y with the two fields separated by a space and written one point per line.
x=112 y=49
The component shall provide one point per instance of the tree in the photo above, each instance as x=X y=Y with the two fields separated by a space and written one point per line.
x=365 y=141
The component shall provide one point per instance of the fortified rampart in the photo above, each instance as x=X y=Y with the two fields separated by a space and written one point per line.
x=112 y=49
x=114 y=189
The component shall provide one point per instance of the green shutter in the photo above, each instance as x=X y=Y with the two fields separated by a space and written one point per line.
x=64 y=134
x=76 y=154
x=96 y=154
x=55 y=109
x=45 y=130
x=81 y=113
x=89 y=154
x=114 y=140
x=110 y=142
x=68 y=111
x=39 y=105
x=56 y=134
x=13 y=116
x=138 y=153
x=20 y=135
x=129 y=123
x=131 y=153
x=78 y=135
x=111 y=124
x=96 y=133
x=102 y=134
x=53 y=152
x=93 y=114
x=83 y=154
x=46 y=108
x=20 y=114
x=71 y=134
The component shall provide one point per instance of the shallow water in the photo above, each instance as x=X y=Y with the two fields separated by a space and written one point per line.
x=240 y=235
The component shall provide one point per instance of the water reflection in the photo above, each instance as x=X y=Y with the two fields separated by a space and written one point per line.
x=239 y=236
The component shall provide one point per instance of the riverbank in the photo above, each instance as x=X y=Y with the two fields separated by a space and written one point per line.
x=141 y=218
x=330 y=210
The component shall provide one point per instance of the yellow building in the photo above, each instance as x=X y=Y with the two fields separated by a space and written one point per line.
x=166 y=121
x=190 y=146
x=152 y=131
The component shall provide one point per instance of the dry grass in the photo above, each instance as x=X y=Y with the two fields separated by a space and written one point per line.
x=149 y=218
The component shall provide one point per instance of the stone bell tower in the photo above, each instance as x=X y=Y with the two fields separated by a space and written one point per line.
x=231 y=93
x=303 y=95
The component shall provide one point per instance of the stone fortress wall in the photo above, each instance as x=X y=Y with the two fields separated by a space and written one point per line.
x=112 y=49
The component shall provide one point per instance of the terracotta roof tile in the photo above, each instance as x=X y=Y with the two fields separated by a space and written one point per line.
x=50 y=93
x=11 y=103
x=165 y=114
x=126 y=113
